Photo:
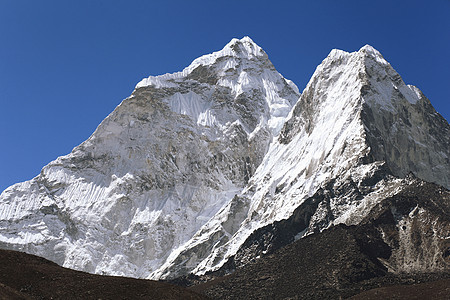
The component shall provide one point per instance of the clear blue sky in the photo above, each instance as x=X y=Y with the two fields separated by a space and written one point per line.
x=65 y=65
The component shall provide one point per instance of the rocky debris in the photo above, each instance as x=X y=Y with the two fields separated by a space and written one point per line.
x=328 y=265
x=344 y=260
x=11 y=294
x=435 y=290
x=415 y=223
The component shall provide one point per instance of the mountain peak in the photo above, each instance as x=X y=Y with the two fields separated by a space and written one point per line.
x=366 y=51
x=235 y=50
x=369 y=51
x=244 y=48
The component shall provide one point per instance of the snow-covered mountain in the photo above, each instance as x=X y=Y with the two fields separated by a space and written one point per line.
x=356 y=130
x=164 y=162
x=184 y=172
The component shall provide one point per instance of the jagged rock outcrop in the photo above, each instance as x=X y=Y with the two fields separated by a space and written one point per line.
x=402 y=240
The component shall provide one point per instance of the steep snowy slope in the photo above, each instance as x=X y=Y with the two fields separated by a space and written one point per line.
x=356 y=130
x=156 y=169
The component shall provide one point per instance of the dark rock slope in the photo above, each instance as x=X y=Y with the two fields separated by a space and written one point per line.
x=402 y=241
x=439 y=289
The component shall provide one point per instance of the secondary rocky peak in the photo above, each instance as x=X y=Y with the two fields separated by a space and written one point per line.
x=362 y=86
x=357 y=61
x=366 y=50
x=370 y=50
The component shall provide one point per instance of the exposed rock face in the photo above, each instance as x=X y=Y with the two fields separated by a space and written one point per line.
x=345 y=260
x=216 y=165
x=415 y=223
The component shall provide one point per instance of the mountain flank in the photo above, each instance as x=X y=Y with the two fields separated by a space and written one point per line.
x=343 y=261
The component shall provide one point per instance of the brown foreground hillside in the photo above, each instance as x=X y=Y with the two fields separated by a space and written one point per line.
x=431 y=290
x=24 y=276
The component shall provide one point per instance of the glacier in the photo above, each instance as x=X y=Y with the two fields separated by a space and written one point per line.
x=177 y=178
